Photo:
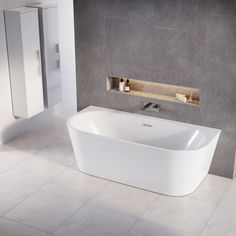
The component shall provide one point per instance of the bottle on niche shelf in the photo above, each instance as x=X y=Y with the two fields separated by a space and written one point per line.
x=190 y=99
x=127 y=86
x=121 y=85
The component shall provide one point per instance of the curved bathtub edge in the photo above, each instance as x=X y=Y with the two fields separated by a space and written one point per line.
x=95 y=108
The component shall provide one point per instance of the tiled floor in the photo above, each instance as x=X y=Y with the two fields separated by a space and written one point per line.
x=42 y=193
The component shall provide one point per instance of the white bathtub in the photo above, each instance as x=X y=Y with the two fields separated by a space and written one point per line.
x=155 y=154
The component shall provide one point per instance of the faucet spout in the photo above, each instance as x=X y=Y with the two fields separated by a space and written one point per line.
x=151 y=107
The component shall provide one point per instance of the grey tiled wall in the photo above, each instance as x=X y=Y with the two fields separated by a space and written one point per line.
x=183 y=42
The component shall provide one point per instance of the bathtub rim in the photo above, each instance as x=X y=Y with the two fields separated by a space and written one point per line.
x=97 y=108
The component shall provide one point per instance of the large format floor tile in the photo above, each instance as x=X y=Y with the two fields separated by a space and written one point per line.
x=230 y=195
x=10 y=157
x=181 y=213
x=96 y=221
x=66 y=115
x=54 y=128
x=12 y=193
x=29 y=142
x=124 y=199
x=45 y=211
x=34 y=171
x=74 y=184
x=10 y=228
x=212 y=189
x=223 y=222
x=145 y=228
x=58 y=151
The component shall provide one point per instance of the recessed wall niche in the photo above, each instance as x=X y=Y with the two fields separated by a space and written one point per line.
x=153 y=90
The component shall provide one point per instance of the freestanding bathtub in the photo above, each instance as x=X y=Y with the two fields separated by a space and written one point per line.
x=155 y=154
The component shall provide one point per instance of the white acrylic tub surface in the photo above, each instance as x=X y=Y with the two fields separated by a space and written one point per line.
x=159 y=155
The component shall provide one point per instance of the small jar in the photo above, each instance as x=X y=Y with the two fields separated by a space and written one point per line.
x=127 y=86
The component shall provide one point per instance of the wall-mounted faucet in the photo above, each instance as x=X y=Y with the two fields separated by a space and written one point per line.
x=151 y=107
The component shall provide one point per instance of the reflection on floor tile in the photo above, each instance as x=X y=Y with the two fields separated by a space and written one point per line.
x=45 y=211
x=212 y=189
x=125 y=199
x=56 y=128
x=33 y=171
x=145 y=228
x=181 y=213
x=66 y=115
x=96 y=221
x=75 y=184
x=58 y=151
x=29 y=142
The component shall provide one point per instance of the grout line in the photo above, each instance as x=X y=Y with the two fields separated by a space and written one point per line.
x=111 y=210
x=53 y=177
x=37 y=189
x=34 y=192
x=67 y=219
x=64 y=126
x=205 y=201
x=37 y=148
x=217 y=205
x=141 y=215
x=14 y=165
x=33 y=155
x=165 y=226
x=162 y=226
x=121 y=212
x=131 y=227
x=34 y=186
x=66 y=196
x=30 y=226
x=17 y=204
x=84 y=203
x=149 y=207
x=18 y=182
x=22 y=224
x=99 y=191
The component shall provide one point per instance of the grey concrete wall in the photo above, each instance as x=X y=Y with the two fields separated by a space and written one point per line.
x=183 y=42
